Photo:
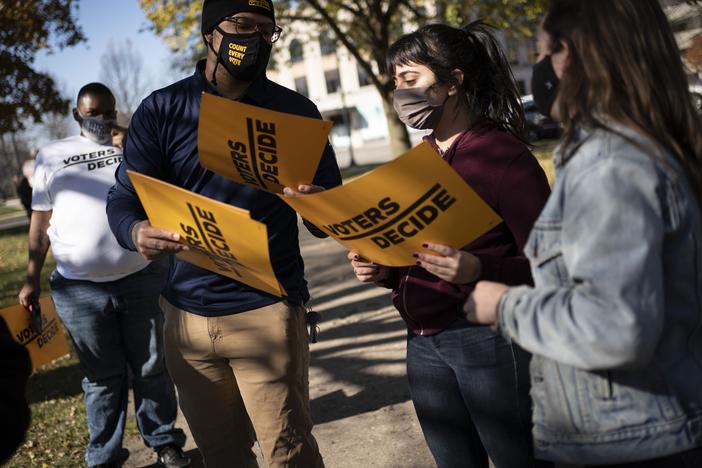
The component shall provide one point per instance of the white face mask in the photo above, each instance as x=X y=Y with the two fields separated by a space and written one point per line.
x=96 y=130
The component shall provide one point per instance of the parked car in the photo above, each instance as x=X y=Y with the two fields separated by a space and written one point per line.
x=538 y=125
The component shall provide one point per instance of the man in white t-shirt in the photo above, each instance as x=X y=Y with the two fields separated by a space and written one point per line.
x=106 y=296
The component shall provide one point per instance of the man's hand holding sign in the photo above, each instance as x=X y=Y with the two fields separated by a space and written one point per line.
x=153 y=242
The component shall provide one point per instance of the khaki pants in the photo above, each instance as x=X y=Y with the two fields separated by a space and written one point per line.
x=244 y=377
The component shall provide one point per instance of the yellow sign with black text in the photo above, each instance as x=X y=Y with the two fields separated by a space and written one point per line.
x=265 y=149
x=221 y=238
x=389 y=212
x=44 y=346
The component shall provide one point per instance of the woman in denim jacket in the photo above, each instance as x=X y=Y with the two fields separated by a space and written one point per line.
x=615 y=317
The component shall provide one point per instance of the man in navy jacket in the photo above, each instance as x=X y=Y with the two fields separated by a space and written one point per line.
x=237 y=355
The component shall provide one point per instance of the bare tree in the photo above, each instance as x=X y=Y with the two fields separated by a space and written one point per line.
x=58 y=126
x=55 y=124
x=122 y=71
x=14 y=150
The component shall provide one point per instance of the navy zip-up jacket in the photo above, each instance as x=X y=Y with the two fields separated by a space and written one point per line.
x=162 y=143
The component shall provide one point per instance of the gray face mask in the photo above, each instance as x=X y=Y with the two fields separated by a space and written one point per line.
x=96 y=130
x=414 y=110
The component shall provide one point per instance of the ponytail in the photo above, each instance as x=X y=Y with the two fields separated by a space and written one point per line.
x=492 y=91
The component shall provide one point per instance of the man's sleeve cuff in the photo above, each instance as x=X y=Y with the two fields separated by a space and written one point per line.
x=129 y=240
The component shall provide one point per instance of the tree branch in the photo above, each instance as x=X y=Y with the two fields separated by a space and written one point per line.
x=350 y=46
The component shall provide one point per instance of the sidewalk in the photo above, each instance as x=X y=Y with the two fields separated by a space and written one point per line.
x=359 y=397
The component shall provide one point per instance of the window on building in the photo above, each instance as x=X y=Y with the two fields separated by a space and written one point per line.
x=326 y=43
x=301 y=86
x=341 y=126
x=363 y=78
x=345 y=117
x=331 y=77
x=295 y=48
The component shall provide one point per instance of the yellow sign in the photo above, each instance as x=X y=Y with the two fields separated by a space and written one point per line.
x=259 y=147
x=222 y=238
x=388 y=213
x=43 y=347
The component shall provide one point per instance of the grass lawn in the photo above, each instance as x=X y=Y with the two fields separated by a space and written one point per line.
x=13 y=265
x=7 y=211
x=58 y=433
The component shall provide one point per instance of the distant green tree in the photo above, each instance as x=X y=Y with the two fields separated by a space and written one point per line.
x=27 y=27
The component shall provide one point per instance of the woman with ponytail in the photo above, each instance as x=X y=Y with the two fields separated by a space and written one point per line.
x=615 y=317
x=469 y=385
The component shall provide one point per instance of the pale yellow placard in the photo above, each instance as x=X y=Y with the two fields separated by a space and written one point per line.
x=389 y=212
x=259 y=147
x=43 y=347
x=222 y=238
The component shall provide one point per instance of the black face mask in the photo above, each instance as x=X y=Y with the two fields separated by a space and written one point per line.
x=244 y=57
x=544 y=85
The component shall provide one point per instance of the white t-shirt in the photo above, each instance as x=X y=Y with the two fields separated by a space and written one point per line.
x=72 y=178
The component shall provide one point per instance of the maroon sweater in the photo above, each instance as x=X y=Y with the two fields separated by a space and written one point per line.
x=505 y=174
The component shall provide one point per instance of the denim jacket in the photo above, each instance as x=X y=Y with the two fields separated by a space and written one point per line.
x=615 y=318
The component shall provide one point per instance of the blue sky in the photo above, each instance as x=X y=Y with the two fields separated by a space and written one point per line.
x=101 y=21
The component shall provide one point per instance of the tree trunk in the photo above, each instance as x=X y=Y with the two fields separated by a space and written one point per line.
x=399 y=138
x=6 y=171
x=18 y=159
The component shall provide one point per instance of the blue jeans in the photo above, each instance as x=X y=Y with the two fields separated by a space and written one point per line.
x=114 y=325
x=470 y=389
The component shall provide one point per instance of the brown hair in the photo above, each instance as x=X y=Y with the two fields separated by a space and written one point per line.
x=624 y=65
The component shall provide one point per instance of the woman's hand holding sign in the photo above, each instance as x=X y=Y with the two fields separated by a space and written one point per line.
x=452 y=265
x=152 y=242
x=365 y=271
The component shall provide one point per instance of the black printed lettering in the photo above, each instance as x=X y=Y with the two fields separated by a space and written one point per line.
x=443 y=200
x=385 y=231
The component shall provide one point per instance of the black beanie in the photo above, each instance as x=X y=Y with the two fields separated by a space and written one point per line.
x=214 y=10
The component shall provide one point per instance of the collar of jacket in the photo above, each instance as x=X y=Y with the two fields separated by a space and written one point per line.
x=463 y=139
x=256 y=94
